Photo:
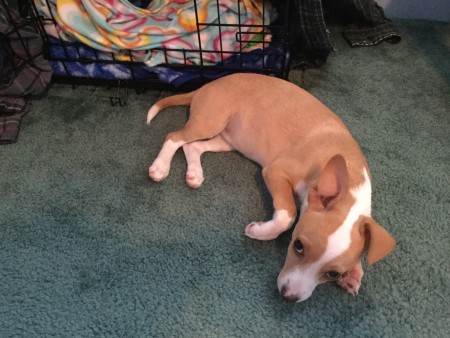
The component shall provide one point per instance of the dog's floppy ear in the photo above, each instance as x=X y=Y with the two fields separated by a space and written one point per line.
x=331 y=185
x=378 y=242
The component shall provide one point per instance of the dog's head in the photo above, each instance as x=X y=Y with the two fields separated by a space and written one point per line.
x=333 y=231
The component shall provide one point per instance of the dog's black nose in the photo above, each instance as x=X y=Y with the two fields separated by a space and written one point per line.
x=286 y=296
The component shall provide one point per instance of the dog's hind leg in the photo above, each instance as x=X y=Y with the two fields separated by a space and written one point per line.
x=201 y=126
x=161 y=165
x=193 y=151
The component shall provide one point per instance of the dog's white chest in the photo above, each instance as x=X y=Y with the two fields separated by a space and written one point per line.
x=301 y=190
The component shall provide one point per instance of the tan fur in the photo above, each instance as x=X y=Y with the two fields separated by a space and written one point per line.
x=296 y=139
x=175 y=100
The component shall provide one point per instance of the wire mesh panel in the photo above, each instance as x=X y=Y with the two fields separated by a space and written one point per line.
x=162 y=42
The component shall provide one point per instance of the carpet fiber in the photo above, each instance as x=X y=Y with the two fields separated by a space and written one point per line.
x=90 y=246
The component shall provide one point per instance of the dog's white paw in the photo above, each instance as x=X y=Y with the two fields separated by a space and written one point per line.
x=263 y=231
x=194 y=178
x=158 y=170
x=351 y=282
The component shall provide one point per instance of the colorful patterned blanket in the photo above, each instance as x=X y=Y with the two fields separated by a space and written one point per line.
x=274 y=57
x=118 y=26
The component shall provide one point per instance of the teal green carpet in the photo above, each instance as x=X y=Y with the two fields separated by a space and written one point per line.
x=89 y=246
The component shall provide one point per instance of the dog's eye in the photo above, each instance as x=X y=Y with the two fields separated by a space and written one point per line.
x=333 y=275
x=298 y=246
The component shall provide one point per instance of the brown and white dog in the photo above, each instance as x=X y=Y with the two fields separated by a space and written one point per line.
x=304 y=149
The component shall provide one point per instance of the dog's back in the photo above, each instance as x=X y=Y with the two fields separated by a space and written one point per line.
x=263 y=115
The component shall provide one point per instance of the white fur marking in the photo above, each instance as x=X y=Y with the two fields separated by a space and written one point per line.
x=302 y=192
x=282 y=218
x=269 y=230
x=152 y=112
x=339 y=241
x=161 y=165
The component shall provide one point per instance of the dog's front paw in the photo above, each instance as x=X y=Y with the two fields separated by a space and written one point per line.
x=158 y=170
x=351 y=282
x=263 y=231
x=194 y=177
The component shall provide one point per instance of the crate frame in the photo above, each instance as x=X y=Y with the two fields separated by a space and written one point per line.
x=280 y=31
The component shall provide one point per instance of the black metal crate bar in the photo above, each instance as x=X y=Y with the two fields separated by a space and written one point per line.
x=269 y=57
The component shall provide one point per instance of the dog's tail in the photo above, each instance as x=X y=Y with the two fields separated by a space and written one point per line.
x=175 y=100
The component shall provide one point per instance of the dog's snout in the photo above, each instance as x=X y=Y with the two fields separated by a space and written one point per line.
x=285 y=294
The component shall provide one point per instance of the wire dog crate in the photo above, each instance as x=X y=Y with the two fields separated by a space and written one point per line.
x=162 y=44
